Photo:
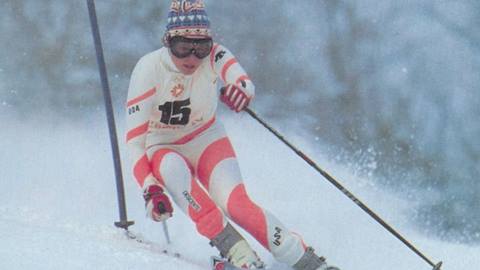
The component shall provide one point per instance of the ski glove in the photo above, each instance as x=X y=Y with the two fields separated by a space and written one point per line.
x=157 y=203
x=235 y=97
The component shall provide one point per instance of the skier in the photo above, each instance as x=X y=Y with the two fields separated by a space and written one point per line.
x=178 y=146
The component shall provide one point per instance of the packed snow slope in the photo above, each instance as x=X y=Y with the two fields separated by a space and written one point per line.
x=58 y=205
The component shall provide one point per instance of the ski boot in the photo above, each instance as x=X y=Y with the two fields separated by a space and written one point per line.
x=235 y=249
x=311 y=261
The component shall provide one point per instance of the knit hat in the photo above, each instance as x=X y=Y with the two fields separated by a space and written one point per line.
x=188 y=18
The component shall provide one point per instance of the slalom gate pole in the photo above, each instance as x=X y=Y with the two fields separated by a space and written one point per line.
x=123 y=223
x=343 y=189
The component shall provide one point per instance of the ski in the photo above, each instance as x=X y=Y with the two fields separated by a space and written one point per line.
x=216 y=263
x=156 y=248
x=221 y=264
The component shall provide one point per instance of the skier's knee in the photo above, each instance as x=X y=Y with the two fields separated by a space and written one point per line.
x=211 y=223
x=167 y=163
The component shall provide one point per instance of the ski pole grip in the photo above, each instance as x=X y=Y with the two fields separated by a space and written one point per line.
x=161 y=208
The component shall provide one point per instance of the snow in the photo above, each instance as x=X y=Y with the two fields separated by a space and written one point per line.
x=58 y=205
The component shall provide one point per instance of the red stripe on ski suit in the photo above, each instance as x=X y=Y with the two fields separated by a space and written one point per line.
x=212 y=55
x=225 y=68
x=211 y=156
x=138 y=99
x=138 y=131
x=194 y=134
x=141 y=170
x=248 y=215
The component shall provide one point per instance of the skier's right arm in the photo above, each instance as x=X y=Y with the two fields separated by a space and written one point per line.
x=141 y=93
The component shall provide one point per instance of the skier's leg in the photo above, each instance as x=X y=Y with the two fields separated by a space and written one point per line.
x=175 y=173
x=218 y=171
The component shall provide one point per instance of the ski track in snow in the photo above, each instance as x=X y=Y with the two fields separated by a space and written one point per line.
x=58 y=206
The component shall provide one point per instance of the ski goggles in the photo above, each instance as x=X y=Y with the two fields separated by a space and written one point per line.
x=183 y=47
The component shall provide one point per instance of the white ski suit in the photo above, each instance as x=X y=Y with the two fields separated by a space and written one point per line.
x=175 y=141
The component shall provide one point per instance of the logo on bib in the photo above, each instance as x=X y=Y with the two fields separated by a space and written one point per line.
x=177 y=90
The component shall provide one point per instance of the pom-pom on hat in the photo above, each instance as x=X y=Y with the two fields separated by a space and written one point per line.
x=188 y=18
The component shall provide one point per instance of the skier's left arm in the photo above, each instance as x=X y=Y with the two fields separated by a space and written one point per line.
x=239 y=89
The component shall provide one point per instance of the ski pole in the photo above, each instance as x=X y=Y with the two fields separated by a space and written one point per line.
x=343 y=189
x=123 y=223
x=165 y=231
